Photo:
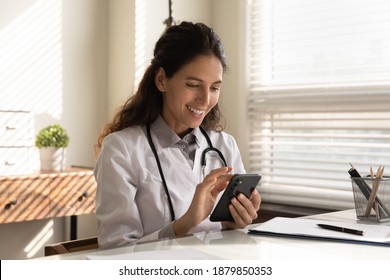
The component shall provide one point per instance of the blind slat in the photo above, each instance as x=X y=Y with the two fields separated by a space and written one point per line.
x=311 y=197
x=319 y=97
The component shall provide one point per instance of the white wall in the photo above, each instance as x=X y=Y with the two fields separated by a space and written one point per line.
x=132 y=39
x=229 y=23
x=53 y=61
x=85 y=28
x=120 y=53
x=101 y=49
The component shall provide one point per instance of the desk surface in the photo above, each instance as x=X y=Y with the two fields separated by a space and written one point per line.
x=237 y=244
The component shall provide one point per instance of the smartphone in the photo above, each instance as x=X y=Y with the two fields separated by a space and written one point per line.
x=240 y=183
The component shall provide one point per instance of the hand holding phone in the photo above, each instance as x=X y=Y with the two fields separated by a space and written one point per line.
x=240 y=183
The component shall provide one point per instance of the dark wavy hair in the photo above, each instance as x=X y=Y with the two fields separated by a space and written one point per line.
x=178 y=46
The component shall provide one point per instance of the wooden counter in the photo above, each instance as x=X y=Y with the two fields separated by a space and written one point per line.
x=47 y=195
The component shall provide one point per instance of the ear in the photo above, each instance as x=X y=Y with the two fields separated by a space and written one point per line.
x=160 y=79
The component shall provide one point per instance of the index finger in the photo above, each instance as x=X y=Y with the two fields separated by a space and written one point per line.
x=215 y=173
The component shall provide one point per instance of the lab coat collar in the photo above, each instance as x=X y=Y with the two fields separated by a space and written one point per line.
x=166 y=136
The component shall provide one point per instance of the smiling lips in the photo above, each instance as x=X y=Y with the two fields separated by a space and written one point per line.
x=197 y=112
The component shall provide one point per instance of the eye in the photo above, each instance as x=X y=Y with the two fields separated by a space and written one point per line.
x=192 y=85
x=215 y=89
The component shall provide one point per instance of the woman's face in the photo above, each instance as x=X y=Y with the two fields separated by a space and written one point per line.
x=190 y=93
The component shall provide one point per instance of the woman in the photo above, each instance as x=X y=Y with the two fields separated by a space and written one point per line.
x=156 y=137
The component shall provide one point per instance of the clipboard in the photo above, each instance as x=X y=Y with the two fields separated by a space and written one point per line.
x=307 y=229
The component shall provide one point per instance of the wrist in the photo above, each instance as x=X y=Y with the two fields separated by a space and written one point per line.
x=182 y=226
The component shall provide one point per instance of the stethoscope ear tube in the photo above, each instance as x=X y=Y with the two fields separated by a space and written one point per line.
x=210 y=148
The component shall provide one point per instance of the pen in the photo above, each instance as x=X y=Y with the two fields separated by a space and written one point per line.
x=375 y=186
x=366 y=190
x=341 y=229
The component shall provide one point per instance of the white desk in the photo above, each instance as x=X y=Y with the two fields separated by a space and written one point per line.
x=237 y=244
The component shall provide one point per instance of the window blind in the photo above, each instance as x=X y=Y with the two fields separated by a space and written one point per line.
x=319 y=97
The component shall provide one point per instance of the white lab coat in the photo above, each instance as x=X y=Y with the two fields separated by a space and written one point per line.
x=131 y=202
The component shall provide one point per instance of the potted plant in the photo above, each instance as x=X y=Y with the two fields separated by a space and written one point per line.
x=52 y=142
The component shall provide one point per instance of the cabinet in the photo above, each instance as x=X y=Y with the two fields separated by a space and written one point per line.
x=47 y=195
x=16 y=142
x=72 y=193
x=23 y=199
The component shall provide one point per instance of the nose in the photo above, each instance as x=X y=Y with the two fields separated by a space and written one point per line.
x=203 y=97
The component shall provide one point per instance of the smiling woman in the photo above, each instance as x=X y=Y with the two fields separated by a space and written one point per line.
x=191 y=93
x=172 y=118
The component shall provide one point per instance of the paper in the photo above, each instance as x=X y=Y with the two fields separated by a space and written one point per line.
x=176 y=254
x=303 y=227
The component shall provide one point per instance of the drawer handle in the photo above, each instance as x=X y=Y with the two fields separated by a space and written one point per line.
x=10 y=163
x=9 y=204
x=85 y=194
x=10 y=127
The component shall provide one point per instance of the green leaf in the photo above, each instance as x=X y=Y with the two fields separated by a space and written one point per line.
x=52 y=136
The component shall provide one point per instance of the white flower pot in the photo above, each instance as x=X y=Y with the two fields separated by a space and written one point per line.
x=52 y=159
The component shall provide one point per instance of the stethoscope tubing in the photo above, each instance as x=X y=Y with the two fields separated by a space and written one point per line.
x=203 y=162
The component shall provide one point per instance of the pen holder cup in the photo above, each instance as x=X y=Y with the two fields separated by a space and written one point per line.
x=372 y=198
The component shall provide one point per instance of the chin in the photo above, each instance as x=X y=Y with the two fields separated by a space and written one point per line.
x=196 y=124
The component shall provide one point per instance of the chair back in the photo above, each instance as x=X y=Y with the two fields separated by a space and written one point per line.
x=71 y=246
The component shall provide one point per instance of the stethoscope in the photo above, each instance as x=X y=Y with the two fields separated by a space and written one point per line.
x=203 y=162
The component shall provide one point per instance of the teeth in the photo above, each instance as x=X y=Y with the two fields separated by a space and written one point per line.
x=199 y=112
